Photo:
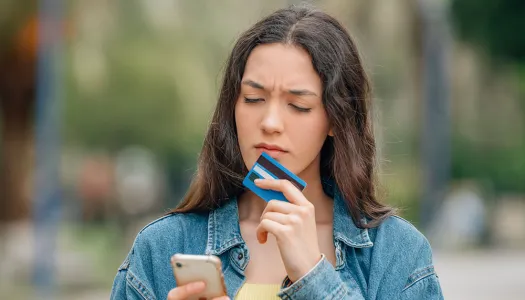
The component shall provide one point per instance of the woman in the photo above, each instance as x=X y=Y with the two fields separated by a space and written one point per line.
x=294 y=87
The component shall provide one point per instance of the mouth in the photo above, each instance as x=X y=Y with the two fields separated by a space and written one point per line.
x=272 y=150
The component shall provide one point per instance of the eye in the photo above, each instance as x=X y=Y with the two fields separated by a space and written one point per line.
x=300 y=109
x=252 y=100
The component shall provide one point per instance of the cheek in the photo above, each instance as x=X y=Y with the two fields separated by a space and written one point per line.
x=245 y=121
x=244 y=125
x=309 y=137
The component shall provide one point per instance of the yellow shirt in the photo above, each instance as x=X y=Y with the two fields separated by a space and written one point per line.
x=252 y=291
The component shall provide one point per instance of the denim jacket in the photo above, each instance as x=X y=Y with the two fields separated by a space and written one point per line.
x=391 y=261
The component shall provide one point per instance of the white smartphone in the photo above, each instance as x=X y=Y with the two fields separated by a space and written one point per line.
x=190 y=268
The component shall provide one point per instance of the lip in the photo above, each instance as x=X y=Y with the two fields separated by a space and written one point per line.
x=269 y=147
x=273 y=150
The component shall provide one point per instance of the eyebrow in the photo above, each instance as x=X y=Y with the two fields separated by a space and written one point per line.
x=301 y=92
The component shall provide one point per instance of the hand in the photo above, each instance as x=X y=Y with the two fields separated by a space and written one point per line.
x=293 y=225
x=185 y=291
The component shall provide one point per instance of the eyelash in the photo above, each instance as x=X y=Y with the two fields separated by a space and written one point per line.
x=299 y=109
x=251 y=100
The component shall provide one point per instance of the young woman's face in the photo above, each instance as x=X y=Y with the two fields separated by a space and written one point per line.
x=280 y=110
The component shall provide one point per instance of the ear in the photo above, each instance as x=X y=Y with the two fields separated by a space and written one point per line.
x=330 y=133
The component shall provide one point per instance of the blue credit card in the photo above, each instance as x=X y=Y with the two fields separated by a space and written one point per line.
x=268 y=168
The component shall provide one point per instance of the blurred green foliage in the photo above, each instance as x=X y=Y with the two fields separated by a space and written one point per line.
x=503 y=167
x=496 y=27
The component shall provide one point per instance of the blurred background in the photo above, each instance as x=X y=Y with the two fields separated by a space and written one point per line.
x=104 y=105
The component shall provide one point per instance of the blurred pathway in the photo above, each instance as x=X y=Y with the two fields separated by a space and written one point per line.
x=480 y=275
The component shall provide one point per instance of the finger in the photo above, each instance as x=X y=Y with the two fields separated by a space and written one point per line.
x=291 y=193
x=261 y=233
x=222 y=298
x=268 y=226
x=277 y=217
x=185 y=291
x=279 y=206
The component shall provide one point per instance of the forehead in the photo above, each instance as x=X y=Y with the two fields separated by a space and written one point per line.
x=282 y=64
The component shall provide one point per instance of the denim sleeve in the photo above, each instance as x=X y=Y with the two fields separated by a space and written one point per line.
x=118 y=291
x=122 y=290
x=422 y=284
x=127 y=286
x=322 y=282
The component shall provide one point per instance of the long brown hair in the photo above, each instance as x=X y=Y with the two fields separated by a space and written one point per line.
x=347 y=158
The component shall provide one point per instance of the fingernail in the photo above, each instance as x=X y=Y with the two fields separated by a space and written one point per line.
x=257 y=181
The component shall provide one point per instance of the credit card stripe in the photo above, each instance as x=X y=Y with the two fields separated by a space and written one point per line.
x=268 y=165
x=262 y=172
x=253 y=176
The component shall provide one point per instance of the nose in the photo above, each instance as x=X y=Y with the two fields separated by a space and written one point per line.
x=272 y=121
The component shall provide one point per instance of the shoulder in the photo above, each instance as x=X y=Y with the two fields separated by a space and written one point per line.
x=399 y=235
x=173 y=229
x=147 y=268
x=173 y=223
x=397 y=228
x=400 y=246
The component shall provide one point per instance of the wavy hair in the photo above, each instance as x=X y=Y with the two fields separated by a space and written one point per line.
x=348 y=158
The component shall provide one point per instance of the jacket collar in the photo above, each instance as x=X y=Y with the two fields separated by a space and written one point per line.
x=224 y=231
x=345 y=229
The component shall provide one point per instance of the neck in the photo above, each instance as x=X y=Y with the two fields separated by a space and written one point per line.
x=251 y=206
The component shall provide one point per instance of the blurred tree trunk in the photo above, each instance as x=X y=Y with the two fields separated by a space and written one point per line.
x=17 y=97
x=435 y=111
